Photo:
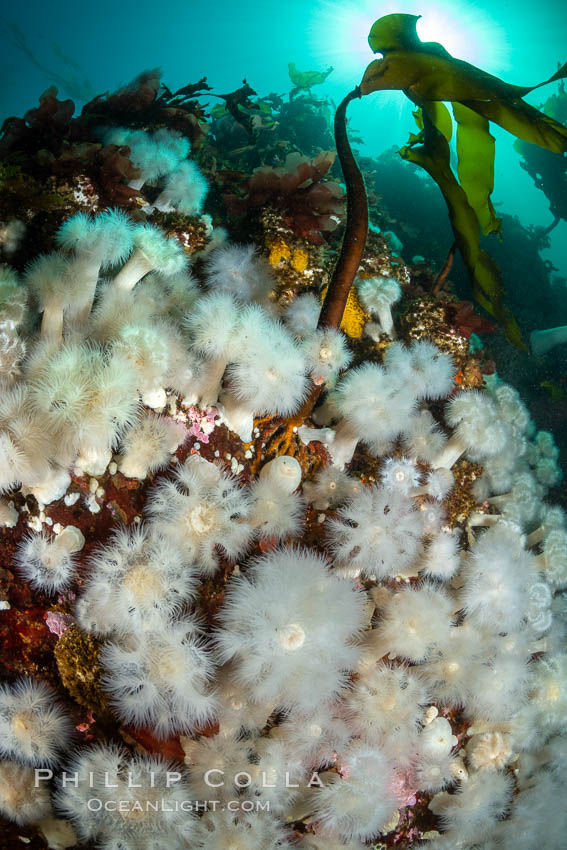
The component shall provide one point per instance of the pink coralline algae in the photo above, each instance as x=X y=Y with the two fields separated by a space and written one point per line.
x=203 y=422
x=57 y=622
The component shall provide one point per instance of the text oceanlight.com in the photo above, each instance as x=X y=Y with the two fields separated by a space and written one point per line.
x=95 y=804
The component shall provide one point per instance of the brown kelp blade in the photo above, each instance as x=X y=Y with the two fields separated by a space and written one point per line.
x=433 y=155
x=425 y=71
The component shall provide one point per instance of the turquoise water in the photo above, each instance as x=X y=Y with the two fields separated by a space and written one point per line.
x=90 y=48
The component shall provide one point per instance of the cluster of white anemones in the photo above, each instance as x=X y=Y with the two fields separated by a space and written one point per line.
x=351 y=668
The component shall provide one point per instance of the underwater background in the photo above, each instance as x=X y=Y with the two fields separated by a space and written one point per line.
x=97 y=47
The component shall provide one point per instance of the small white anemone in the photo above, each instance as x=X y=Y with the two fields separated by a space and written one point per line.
x=22 y=799
x=152 y=250
x=378 y=295
x=326 y=354
x=161 y=679
x=331 y=487
x=274 y=513
x=284 y=472
x=203 y=508
x=34 y=728
x=48 y=562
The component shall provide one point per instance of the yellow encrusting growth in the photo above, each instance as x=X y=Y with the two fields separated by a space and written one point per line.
x=299 y=260
x=279 y=251
x=354 y=317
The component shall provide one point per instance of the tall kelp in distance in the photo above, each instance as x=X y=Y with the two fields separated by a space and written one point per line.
x=548 y=172
x=430 y=77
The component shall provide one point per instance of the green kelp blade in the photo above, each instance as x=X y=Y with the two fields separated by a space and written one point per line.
x=523 y=121
x=427 y=76
x=306 y=79
x=399 y=32
x=434 y=157
x=432 y=77
x=475 y=151
x=440 y=116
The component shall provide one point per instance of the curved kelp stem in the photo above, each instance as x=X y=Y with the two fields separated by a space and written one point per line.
x=354 y=240
x=356 y=229
x=442 y=276
x=284 y=439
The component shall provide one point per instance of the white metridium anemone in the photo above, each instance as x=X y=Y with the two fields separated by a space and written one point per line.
x=86 y=398
x=240 y=831
x=155 y=155
x=275 y=626
x=116 y=308
x=548 y=472
x=421 y=368
x=25 y=440
x=216 y=765
x=212 y=325
x=476 y=806
x=161 y=679
x=399 y=474
x=34 y=729
x=546 y=445
x=441 y=559
x=437 y=739
x=143 y=800
x=489 y=750
x=315 y=739
x=422 y=438
x=277 y=776
x=357 y=803
x=184 y=190
x=496 y=580
x=489 y=678
x=48 y=563
x=137 y=580
x=437 y=484
x=94 y=244
x=433 y=516
x=479 y=429
x=202 y=509
x=553 y=559
x=449 y=668
x=523 y=503
x=512 y=408
x=153 y=250
x=148 y=445
x=146 y=349
x=22 y=799
x=435 y=772
x=413 y=621
x=373 y=407
x=283 y=472
x=548 y=693
x=237 y=713
x=376 y=534
x=273 y=512
x=377 y=295
x=54 y=288
x=385 y=707
x=326 y=354
x=302 y=315
x=8 y=514
x=241 y=272
x=331 y=487
x=266 y=375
